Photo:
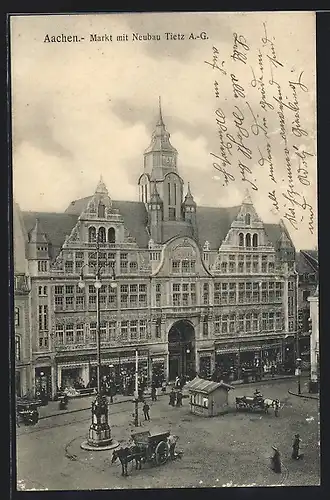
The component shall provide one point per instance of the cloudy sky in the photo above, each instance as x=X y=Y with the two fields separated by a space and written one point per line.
x=85 y=109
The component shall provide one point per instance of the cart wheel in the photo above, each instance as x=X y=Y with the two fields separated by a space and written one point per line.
x=161 y=453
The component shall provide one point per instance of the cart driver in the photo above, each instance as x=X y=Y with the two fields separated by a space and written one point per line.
x=258 y=395
x=171 y=441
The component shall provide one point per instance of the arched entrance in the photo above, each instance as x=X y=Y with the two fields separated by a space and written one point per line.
x=181 y=349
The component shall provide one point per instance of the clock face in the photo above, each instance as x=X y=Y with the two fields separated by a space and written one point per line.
x=168 y=160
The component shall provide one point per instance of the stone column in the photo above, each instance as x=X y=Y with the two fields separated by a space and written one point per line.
x=53 y=379
x=59 y=375
x=85 y=373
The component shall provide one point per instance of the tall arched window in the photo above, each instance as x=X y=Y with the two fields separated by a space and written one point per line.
x=101 y=235
x=241 y=240
x=247 y=219
x=248 y=240
x=111 y=235
x=101 y=210
x=92 y=234
x=255 y=240
x=16 y=316
x=17 y=347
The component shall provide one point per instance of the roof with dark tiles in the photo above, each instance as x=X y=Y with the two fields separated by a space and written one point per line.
x=213 y=223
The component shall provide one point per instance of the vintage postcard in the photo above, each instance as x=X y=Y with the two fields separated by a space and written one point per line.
x=165 y=315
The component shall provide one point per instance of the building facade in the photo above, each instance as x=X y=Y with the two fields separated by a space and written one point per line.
x=307 y=268
x=314 y=338
x=22 y=309
x=196 y=287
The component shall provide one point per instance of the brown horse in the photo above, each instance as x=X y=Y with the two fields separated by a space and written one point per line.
x=126 y=455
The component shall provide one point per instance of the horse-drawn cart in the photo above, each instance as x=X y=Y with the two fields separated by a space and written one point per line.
x=154 y=447
x=257 y=403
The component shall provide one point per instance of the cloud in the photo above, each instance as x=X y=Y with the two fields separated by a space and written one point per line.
x=81 y=110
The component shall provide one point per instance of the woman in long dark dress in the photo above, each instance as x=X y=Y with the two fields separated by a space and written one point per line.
x=276 y=461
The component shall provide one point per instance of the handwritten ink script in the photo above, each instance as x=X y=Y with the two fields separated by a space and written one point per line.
x=264 y=138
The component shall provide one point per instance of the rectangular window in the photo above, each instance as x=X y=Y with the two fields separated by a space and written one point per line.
x=232 y=323
x=69 y=337
x=224 y=266
x=69 y=289
x=59 y=289
x=255 y=322
x=133 y=266
x=185 y=266
x=133 y=329
x=142 y=328
x=158 y=299
x=59 y=334
x=17 y=316
x=224 y=324
x=176 y=266
x=176 y=299
x=123 y=267
x=241 y=267
x=58 y=303
x=176 y=287
x=205 y=327
x=217 y=322
x=42 y=291
x=232 y=297
x=69 y=303
x=103 y=331
x=43 y=317
x=112 y=330
x=158 y=328
x=124 y=329
x=241 y=296
x=241 y=323
x=80 y=333
x=69 y=266
x=92 y=332
x=255 y=297
x=232 y=266
x=79 y=302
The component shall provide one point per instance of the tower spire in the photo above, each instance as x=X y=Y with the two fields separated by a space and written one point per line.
x=101 y=187
x=160 y=118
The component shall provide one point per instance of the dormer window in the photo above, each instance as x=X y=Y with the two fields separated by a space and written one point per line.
x=101 y=210
x=248 y=219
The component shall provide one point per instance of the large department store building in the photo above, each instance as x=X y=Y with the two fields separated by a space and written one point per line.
x=196 y=286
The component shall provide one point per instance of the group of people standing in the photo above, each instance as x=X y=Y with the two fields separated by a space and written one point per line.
x=296 y=454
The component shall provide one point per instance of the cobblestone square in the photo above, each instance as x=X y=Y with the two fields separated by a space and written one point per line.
x=229 y=450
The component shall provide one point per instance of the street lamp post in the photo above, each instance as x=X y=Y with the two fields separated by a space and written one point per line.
x=136 y=392
x=298 y=373
x=99 y=436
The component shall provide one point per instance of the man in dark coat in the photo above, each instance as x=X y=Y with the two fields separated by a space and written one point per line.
x=296 y=448
x=153 y=392
x=172 y=397
x=179 y=398
x=146 y=409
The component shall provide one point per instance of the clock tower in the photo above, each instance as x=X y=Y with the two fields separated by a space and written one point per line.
x=160 y=174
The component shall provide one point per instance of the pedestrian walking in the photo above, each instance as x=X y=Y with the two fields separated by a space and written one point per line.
x=172 y=397
x=171 y=441
x=296 y=448
x=153 y=393
x=146 y=409
x=276 y=461
x=179 y=398
x=277 y=407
